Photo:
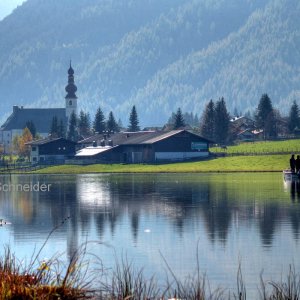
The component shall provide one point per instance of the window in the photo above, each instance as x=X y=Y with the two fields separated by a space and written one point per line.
x=70 y=102
x=33 y=148
x=199 y=146
x=34 y=159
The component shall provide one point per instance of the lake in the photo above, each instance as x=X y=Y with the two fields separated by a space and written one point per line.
x=159 y=222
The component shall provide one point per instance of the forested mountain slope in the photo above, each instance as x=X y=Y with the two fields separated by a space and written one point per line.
x=157 y=55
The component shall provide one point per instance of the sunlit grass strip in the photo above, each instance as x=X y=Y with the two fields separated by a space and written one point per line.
x=225 y=164
x=262 y=147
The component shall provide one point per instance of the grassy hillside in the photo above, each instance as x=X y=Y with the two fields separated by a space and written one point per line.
x=262 y=147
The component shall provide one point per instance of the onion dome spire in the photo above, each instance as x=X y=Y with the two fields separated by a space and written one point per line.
x=71 y=88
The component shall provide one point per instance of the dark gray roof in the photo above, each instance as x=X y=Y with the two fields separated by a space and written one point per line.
x=134 y=138
x=47 y=141
x=41 y=117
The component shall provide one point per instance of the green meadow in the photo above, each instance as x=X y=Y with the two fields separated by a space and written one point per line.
x=262 y=147
x=262 y=163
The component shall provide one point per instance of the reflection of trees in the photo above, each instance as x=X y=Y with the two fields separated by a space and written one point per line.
x=217 y=213
x=135 y=224
x=269 y=216
x=108 y=200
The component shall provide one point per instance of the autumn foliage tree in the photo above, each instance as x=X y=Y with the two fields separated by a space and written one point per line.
x=19 y=143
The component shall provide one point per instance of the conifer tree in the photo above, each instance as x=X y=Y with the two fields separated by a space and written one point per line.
x=72 y=132
x=133 y=120
x=30 y=125
x=207 y=126
x=84 y=125
x=293 y=119
x=61 y=129
x=54 y=127
x=221 y=122
x=120 y=125
x=99 y=122
x=264 y=117
x=112 y=125
x=178 y=120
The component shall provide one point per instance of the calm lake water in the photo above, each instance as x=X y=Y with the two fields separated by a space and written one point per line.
x=249 y=218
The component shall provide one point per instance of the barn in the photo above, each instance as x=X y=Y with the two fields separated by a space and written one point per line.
x=143 y=147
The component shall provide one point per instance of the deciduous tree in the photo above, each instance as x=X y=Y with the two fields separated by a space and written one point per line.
x=19 y=143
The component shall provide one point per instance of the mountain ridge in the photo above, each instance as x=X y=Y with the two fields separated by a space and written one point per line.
x=179 y=55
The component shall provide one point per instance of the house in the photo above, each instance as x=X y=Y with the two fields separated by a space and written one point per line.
x=143 y=147
x=242 y=122
x=246 y=135
x=40 y=117
x=49 y=150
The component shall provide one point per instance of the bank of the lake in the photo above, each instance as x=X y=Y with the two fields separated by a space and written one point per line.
x=264 y=163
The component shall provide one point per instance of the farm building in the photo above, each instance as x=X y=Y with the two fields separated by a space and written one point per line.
x=143 y=147
x=54 y=150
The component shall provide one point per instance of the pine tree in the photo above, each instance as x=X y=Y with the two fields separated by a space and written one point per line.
x=72 y=132
x=54 y=127
x=61 y=129
x=112 y=125
x=293 y=119
x=222 y=120
x=133 y=120
x=99 y=122
x=178 y=120
x=30 y=125
x=84 y=125
x=207 y=126
x=120 y=125
x=264 y=115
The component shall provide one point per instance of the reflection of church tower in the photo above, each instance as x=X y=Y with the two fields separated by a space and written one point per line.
x=71 y=98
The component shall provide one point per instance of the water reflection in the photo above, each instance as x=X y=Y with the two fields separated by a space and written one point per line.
x=179 y=199
x=144 y=213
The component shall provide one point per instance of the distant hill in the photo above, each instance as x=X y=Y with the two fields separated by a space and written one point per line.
x=158 y=55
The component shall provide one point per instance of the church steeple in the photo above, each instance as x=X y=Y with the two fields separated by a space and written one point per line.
x=71 y=98
x=71 y=88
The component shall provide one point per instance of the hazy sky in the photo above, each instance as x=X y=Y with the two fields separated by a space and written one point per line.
x=7 y=6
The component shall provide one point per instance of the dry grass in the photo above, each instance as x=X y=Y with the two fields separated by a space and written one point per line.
x=53 y=280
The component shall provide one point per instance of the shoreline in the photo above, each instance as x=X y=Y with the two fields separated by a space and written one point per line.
x=231 y=164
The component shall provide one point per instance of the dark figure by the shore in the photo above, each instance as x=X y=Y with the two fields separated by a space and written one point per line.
x=292 y=163
x=297 y=164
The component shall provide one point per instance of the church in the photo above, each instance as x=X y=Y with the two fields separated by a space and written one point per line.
x=40 y=117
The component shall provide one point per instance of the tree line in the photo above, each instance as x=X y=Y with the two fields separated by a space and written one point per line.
x=81 y=126
x=215 y=122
